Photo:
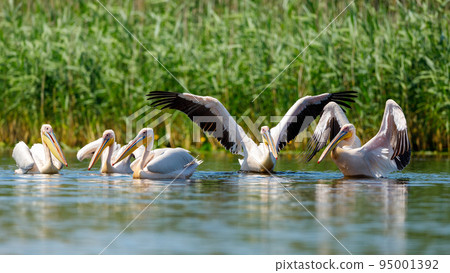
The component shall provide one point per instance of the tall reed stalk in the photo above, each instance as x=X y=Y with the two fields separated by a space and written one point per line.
x=71 y=64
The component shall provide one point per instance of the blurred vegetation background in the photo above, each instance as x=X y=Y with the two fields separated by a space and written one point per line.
x=70 y=64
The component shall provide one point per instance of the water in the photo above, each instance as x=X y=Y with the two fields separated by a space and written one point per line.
x=222 y=211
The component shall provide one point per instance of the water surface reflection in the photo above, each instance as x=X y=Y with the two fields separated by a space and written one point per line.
x=382 y=205
x=226 y=212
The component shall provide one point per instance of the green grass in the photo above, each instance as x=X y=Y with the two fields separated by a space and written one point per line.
x=70 y=64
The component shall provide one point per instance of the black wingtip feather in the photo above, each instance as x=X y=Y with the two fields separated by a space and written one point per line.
x=346 y=92
x=344 y=96
x=403 y=160
x=174 y=100
x=342 y=103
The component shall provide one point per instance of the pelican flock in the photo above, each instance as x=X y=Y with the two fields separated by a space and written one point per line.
x=45 y=158
x=389 y=150
x=162 y=163
x=213 y=118
x=106 y=148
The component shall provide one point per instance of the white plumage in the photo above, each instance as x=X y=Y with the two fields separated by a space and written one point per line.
x=165 y=163
x=389 y=150
x=213 y=118
x=46 y=158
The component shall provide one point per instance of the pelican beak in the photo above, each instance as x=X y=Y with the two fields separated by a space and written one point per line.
x=269 y=140
x=134 y=144
x=106 y=143
x=338 y=138
x=52 y=143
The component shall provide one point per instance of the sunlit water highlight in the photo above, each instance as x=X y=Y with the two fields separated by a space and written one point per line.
x=222 y=211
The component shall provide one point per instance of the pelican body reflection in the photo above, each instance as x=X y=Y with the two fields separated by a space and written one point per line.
x=385 y=206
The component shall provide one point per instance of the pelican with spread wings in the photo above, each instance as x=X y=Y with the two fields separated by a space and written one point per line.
x=389 y=150
x=45 y=158
x=213 y=118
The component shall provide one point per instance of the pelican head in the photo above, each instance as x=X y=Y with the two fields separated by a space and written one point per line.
x=268 y=140
x=145 y=137
x=346 y=133
x=108 y=140
x=49 y=140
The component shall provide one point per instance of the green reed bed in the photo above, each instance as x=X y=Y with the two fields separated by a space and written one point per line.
x=70 y=64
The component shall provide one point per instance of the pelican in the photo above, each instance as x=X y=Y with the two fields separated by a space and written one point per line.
x=45 y=158
x=213 y=118
x=107 y=148
x=389 y=150
x=165 y=163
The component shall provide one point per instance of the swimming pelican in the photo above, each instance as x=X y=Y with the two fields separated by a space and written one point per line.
x=389 y=150
x=108 y=149
x=213 y=118
x=46 y=158
x=162 y=163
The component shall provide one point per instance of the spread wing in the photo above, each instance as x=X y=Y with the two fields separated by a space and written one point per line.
x=392 y=138
x=303 y=113
x=209 y=114
x=331 y=121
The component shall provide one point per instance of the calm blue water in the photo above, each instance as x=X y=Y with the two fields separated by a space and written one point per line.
x=222 y=211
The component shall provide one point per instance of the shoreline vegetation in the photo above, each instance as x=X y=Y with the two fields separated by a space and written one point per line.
x=68 y=63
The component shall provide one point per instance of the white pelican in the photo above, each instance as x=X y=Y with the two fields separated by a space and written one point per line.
x=388 y=151
x=108 y=149
x=165 y=163
x=46 y=158
x=213 y=118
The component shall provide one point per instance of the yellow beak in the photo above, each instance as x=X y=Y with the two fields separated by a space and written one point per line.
x=136 y=143
x=338 y=138
x=271 y=143
x=99 y=151
x=50 y=140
